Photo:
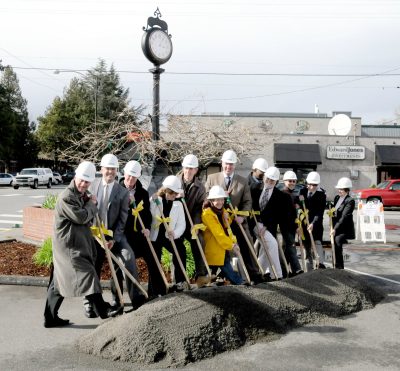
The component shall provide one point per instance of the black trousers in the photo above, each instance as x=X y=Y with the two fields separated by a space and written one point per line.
x=340 y=239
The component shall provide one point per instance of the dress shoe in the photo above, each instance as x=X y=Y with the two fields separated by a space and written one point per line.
x=114 y=311
x=55 y=322
x=89 y=312
x=321 y=266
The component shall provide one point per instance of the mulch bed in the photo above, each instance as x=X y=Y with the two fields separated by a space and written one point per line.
x=16 y=259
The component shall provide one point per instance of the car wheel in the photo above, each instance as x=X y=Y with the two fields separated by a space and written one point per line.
x=35 y=184
x=16 y=186
x=49 y=184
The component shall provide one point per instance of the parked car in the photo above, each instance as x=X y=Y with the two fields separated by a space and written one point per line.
x=6 y=179
x=57 y=179
x=34 y=177
x=388 y=192
x=68 y=176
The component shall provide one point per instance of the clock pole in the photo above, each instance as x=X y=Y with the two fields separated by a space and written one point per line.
x=157 y=48
x=155 y=119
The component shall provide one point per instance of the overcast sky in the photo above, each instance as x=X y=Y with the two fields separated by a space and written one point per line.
x=314 y=37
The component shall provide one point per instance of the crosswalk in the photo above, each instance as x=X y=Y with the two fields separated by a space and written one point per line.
x=11 y=221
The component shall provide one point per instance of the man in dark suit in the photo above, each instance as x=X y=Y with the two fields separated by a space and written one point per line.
x=315 y=200
x=343 y=224
x=238 y=190
x=113 y=206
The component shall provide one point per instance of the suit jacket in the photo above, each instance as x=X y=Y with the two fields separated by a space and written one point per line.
x=117 y=209
x=316 y=207
x=343 y=218
x=276 y=212
x=239 y=190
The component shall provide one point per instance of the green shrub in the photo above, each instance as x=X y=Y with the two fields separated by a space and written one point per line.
x=49 y=202
x=43 y=257
x=190 y=266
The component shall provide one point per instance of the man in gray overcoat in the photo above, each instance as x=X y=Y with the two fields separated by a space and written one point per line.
x=74 y=252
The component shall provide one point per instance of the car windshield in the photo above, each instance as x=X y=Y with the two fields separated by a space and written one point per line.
x=29 y=172
x=382 y=185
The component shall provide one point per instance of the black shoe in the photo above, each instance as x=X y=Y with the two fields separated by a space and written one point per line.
x=138 y=302
x=89 y=312
x=299 y=272
x=257 y=278
x=114 y=311
x=321 y=266
x=55 y=322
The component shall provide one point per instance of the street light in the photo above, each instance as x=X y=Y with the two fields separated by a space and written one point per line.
x=57 y=72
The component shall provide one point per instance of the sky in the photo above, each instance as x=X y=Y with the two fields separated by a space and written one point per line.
x=228 y=56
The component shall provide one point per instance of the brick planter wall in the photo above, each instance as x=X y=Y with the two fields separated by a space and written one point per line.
x=38 y=223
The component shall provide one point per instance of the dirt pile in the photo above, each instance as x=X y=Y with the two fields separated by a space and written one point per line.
x=187 y=327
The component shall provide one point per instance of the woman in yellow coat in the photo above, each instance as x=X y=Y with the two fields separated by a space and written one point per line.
x=218 y=237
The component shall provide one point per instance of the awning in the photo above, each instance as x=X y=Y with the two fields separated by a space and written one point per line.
x=293 y=153
x=387 y=155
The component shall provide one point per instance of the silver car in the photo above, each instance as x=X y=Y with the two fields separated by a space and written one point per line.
x=6 y=179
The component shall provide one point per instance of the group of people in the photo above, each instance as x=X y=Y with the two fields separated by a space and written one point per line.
x=227 y=217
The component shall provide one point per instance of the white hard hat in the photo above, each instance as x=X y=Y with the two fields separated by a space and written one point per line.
x=272 y=173
x=133 y=168
x=86 y=171
x=313 y=178
x=173 y=183
x=290 y=175
x=109 y=160
x=344 y=183
x=260 y=164
x=229 y=157
x=216 y=192
x=190 y=161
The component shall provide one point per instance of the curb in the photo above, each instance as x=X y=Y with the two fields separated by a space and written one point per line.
x=36 y=281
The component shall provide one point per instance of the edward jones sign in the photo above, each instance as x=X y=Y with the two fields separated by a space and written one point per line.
x=346 y=152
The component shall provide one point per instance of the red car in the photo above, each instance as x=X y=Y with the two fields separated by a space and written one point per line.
x=388 y=192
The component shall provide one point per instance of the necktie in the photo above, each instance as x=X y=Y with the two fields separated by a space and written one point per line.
x=228 y=183
x=104 y=206
x=264 y=199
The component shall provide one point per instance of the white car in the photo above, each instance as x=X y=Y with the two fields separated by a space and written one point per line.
x=57 y=179
x=6 y=179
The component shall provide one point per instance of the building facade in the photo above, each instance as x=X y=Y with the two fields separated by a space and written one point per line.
x=306 y=142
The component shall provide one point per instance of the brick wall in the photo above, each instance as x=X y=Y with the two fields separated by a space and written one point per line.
x=38 y=223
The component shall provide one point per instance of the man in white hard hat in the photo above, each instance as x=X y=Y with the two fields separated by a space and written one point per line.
x=238 y=190
x=315 y=201
x=195 y=194
x=113 y=206
x=74 y=252
x=256 y=176
x=290 y=181
x=273 y=206
x=343 y=225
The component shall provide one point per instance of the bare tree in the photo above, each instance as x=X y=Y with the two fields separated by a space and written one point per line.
x=130 y=136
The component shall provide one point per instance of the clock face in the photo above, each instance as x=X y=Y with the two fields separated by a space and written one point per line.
x=160 y=45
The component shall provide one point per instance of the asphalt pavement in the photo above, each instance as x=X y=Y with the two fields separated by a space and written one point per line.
x=368 y=340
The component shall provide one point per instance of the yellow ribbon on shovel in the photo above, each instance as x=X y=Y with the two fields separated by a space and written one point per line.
x=298 y=222
x=236 y=212
x=196 y=228
x=135 y=213
x=253 y=213
x=161 y=221
x=96 y=231
x=331 y=212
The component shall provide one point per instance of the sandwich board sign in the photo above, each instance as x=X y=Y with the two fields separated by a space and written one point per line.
x=371 y=222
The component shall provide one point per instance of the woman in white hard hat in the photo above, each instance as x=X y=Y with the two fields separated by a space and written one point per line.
x=343 y=225
x=165 y=199
x=218 y=236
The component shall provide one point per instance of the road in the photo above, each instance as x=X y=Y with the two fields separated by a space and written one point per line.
x=13 y=201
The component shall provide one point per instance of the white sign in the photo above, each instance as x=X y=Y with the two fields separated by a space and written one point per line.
x=346 y=152
x=371 y=222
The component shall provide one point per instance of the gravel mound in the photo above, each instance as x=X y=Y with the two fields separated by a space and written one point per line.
x=182 y=328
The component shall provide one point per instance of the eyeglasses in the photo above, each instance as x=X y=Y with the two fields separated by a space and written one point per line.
x=312 y=185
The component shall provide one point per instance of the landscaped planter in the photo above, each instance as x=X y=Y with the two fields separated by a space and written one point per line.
x=38 y=223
